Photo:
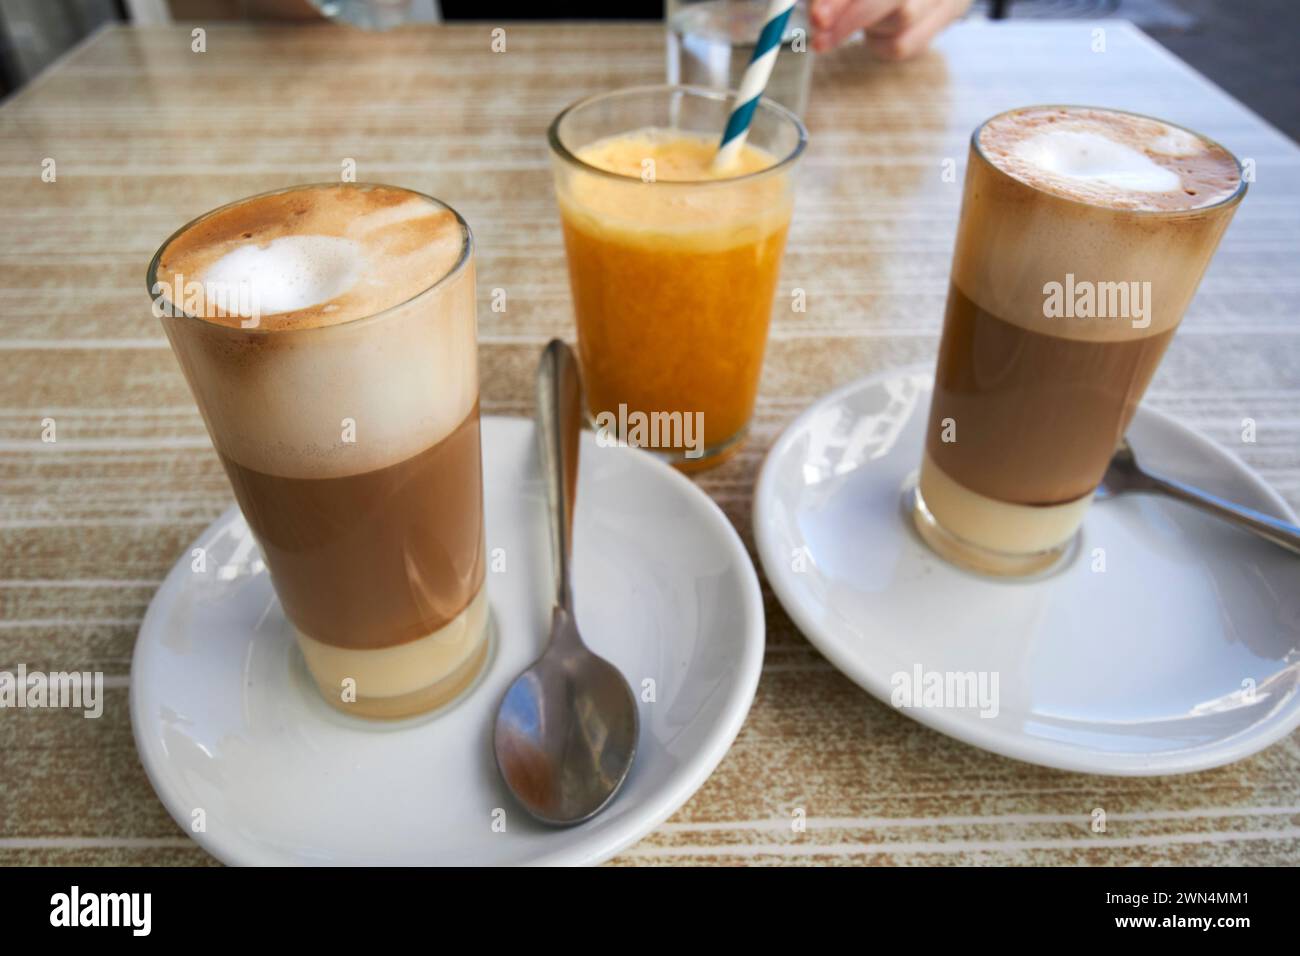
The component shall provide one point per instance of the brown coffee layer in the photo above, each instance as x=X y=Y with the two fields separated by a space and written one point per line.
x=1036 y=417
x=379 y=558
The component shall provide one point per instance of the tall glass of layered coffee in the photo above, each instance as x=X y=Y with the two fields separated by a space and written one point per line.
x=1083 y=236
x=328 y=335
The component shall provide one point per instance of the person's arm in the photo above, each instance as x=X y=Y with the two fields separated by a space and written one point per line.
x=895 y=29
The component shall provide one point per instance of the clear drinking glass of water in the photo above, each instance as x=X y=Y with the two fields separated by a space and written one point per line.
x=710 y=43
x=366 y=14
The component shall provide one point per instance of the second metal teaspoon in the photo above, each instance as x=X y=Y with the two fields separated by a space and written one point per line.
x=1125 y=475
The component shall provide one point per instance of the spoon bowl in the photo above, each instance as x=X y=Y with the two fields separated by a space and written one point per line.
x=566 y=731
x=1123 y=474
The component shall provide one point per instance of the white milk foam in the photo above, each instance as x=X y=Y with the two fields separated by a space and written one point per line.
x=1061 y=195
x=1087 y=157
x=331 y=397
x=289 y=273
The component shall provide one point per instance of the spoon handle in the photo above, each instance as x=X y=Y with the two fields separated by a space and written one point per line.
x=559 y=422
x=1280 y=532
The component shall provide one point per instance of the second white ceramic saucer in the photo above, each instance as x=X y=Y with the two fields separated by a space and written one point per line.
x=234 y=736
x=1169 y=643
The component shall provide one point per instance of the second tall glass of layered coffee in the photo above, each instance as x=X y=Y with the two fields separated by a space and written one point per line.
x=1083 y=236
x=328 y=335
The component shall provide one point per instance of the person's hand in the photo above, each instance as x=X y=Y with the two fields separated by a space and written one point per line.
x=896 y=29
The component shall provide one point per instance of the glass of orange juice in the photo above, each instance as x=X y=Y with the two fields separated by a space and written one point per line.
x=673 y=267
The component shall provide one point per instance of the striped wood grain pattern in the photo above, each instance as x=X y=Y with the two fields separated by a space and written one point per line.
x=146 y=134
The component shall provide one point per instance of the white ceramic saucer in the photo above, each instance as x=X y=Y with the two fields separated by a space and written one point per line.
x=228 y=722
x=1146 y=667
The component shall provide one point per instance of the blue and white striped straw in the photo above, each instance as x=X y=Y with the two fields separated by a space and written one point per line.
x=753 y=83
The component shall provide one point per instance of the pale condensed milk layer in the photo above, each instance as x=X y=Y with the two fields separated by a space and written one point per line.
x=330 y=399
x=1098 y=200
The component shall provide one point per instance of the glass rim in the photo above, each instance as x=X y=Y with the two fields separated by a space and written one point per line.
x=457 y=268
x=1234 y=197
x=764 y=103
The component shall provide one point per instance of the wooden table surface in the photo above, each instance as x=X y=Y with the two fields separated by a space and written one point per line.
x=146 y=134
